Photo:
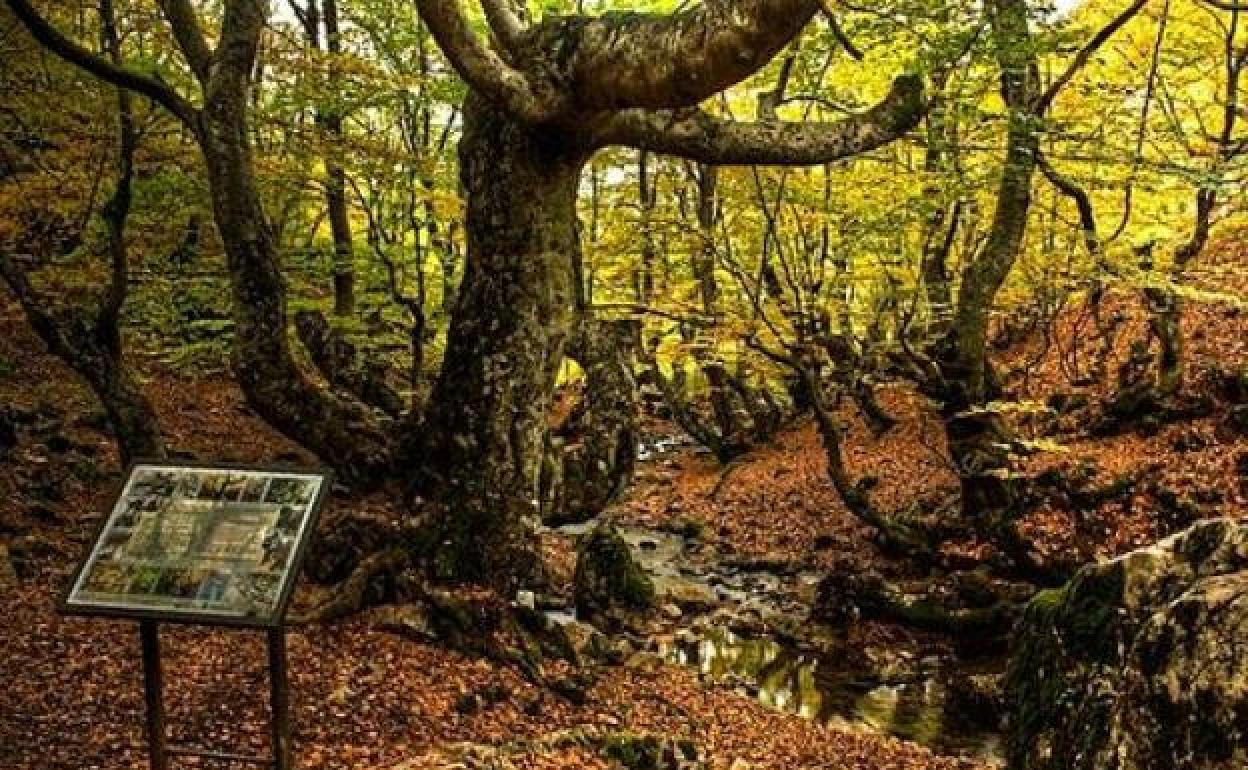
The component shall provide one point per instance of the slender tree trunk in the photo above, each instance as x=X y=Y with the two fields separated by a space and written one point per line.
x=484 y=439
x=941 y=224
x=336 y=178
x=978 y=440
x=340 y=227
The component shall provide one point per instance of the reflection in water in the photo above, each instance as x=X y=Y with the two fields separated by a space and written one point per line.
x=816 y=689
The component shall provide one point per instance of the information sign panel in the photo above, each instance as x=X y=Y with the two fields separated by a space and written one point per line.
x=207 y=544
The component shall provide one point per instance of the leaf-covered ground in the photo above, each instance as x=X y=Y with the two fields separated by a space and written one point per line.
x=367 y=699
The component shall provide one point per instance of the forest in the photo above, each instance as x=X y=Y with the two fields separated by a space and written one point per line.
x=712 y=384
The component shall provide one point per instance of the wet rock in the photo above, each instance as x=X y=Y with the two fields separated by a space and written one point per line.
x=690 y=595
x=776 y=563
x=1139 y=662
x=608 y=579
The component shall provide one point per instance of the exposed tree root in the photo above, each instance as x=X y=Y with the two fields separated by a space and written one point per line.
x=632 y=751
x=477 y=623
x=978 y=608
x=351 y=595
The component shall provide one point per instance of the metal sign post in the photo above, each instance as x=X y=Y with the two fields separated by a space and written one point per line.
x=158 y=748
x=206 y=545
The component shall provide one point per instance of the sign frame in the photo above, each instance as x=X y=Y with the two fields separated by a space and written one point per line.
x=275 y=620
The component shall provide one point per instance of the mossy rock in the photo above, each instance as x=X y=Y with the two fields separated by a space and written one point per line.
x=651 y=752
x=608 y=579
x=1138 y=662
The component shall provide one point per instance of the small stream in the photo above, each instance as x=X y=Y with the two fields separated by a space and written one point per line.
x=785 y=679
x=842 y=691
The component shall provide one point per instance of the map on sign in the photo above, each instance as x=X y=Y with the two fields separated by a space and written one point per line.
x=212 y=543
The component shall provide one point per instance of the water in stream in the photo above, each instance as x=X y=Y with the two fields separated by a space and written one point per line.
x=785 y=679
x=832 y=691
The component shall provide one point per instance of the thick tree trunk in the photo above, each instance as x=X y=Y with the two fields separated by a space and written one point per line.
x=483 y=443
x=343 y=432
x=130 y=413
x=344 y=367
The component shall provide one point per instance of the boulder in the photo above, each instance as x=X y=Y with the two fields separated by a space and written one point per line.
x=1138 y=663
x=608 y=579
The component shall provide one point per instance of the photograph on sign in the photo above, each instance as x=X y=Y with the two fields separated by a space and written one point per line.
x=218 y=542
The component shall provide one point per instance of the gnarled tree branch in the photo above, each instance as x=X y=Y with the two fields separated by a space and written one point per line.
x=481 y=66
x=673 y=61
x=1085 y=55
x=504 y=22
x=696 y=135
x=184 y=23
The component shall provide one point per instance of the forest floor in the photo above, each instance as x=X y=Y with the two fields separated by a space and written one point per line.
x=364 y=698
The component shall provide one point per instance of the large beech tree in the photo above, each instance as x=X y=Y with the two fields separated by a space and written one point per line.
x=543 y=99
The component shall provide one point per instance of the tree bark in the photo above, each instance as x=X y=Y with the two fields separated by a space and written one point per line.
x=598 y=463
x=485 y=434
x=336 y=176
x=978 y=439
